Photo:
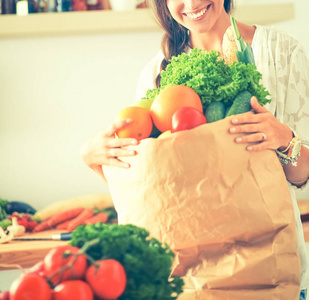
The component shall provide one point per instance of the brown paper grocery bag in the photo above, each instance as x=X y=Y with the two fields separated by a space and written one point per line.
x=227 y=213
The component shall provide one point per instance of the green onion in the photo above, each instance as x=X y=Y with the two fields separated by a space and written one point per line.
x=244 y=53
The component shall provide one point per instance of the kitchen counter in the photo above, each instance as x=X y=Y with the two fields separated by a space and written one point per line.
x=27 y=253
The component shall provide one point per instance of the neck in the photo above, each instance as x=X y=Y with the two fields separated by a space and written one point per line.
x=211 y=39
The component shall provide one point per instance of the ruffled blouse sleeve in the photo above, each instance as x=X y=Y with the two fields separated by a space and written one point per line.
x=296 y=112
x=147 y=78
x=297 y=106
x=285 y=68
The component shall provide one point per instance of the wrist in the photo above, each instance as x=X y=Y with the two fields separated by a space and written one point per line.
x=289 y=135
x=291 y=153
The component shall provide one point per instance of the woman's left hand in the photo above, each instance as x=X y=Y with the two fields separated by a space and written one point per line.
x=263 y=130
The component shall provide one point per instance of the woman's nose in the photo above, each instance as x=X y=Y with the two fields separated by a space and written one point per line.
x=191 y=4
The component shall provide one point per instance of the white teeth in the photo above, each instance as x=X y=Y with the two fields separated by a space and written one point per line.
x=197 y=15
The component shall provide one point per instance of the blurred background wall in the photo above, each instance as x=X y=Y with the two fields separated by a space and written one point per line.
x=55 y=92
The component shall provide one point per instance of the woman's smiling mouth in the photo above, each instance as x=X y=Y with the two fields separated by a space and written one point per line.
x=196 y=15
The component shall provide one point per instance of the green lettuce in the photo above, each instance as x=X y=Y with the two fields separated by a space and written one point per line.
x=211 y=78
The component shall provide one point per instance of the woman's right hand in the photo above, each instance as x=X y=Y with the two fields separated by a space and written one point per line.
x=104 y=149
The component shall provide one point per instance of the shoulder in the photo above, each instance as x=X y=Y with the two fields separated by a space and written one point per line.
x=247 y=32
x=152 y=68
x=148 y=75
x=277 y=49
x=274 y=41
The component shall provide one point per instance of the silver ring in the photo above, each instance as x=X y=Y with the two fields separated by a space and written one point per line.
x=263 y=136
x=112 y=152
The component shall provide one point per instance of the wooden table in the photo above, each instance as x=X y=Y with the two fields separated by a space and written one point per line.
x=27 y=253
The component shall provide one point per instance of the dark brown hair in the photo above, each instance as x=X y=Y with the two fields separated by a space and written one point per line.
x=175 y=38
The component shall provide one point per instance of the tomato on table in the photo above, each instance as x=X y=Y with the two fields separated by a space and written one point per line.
x=107 y=279
x=58 y=266
x=30 y=286
x=5 y=295
x=38 y=268
x=72 y=290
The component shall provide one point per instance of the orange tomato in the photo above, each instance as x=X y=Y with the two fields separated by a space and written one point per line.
x=168 y=101
x=141 y=126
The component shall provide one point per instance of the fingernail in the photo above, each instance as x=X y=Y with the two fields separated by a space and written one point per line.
x=234 y=121
x=133 y=142
x=126 y=165
x=132 y=152
x=233 y=129
x=238 y=140
x=249 y=148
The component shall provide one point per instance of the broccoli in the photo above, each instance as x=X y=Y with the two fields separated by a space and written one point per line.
x=146 y=261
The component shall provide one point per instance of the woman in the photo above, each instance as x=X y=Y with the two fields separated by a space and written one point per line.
x=281 y=60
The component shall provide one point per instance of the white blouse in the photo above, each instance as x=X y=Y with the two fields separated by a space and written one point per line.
x=285 y=69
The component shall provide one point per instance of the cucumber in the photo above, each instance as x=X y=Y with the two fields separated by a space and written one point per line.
x=241 y=104
x=20 y=207
x=227 y=109
x=215 y=111
x=155 y=132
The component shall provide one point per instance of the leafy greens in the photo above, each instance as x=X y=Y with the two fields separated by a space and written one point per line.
x=211 y=78
x=147 y=261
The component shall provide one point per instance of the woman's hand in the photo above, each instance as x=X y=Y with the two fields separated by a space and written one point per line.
x=104 y=149
x=263 y=130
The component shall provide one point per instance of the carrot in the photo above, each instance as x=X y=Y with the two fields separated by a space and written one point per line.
x=63 y=225
x=100 y=217
x=41 y=227
x=80 y=219
x=64 y=216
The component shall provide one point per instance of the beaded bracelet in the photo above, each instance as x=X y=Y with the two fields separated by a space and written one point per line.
x=284 y=160
x=293 y=151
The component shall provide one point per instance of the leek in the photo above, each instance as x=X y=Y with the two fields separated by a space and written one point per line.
x=244 y=53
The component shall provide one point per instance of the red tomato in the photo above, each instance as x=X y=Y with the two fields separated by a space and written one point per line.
x=57 y=264
x=5 y=295
x=30 y=286
x=72 y=290
x=38 y=268
x=186 y=118
x=108 y=281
